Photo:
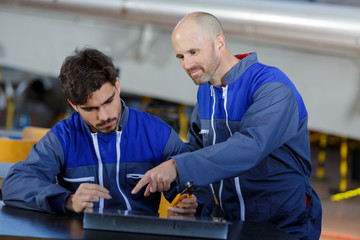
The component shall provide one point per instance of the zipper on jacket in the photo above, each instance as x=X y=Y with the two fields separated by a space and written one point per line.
x=241 y=199
x=214 y=137
x=82 y=179
x=100 y=169
x=224 y=96
x=236 y=179
x=225 y=89
x=213 y=113
x=220 y=193
x=134 y=176
x=118 y=140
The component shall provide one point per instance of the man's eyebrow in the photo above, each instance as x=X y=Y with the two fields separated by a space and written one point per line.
x=108 y=100
x=91 y=107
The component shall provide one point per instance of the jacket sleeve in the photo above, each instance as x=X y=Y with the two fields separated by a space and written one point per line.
x=174 y=146
x=269 y=122
x=31 y=184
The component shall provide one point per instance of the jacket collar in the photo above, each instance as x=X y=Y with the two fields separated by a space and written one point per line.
x=246 y=61
x=124 y=116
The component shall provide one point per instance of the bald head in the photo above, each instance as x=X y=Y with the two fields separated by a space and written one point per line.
x=199 y=44
x=203 y=22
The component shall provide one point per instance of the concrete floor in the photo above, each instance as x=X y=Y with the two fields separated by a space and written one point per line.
x=341 y=219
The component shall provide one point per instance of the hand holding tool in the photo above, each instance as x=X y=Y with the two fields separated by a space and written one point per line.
x=189 y=189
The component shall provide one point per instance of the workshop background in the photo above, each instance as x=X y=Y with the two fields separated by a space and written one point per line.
x=316 y=43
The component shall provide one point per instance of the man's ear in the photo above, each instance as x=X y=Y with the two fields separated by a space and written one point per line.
x=117 y=84
x=220 y=41
x=73 y=105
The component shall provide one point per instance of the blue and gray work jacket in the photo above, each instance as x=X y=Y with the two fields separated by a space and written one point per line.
x=250 y=140
x=70 y=154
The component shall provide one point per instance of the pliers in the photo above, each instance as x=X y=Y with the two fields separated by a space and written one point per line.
x=189 y=189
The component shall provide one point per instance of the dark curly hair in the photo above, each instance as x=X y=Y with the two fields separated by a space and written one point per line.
x=84 y=73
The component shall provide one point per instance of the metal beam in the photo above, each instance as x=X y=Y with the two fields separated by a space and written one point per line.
x=307 y=25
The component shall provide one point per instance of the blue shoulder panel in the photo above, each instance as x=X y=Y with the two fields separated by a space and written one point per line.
x=76 y=141
x=144 y=138
x=241 y=92
x=266 y=74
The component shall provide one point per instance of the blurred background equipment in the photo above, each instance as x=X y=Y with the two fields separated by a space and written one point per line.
x=317 y=44
x=39 y=103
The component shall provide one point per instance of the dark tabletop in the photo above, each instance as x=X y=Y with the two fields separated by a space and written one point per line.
x=19 y=224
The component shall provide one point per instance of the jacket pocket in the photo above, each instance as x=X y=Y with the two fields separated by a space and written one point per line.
x=72 y=184
x=131 y=180
x=134 y=176
x=139 y=202
x=80 y=180
x=314 y=214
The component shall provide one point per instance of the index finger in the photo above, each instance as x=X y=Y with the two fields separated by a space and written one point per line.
x=93 y=186
x=143 y=181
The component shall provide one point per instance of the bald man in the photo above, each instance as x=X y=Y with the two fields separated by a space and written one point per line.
x=248 y=134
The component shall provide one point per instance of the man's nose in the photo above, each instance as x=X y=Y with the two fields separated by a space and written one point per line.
x=188 y=63
x=103 y=114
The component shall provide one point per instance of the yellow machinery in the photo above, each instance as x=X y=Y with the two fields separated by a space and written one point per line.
x=14 y=150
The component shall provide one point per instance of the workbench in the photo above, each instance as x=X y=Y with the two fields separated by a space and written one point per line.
x=16 y=223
